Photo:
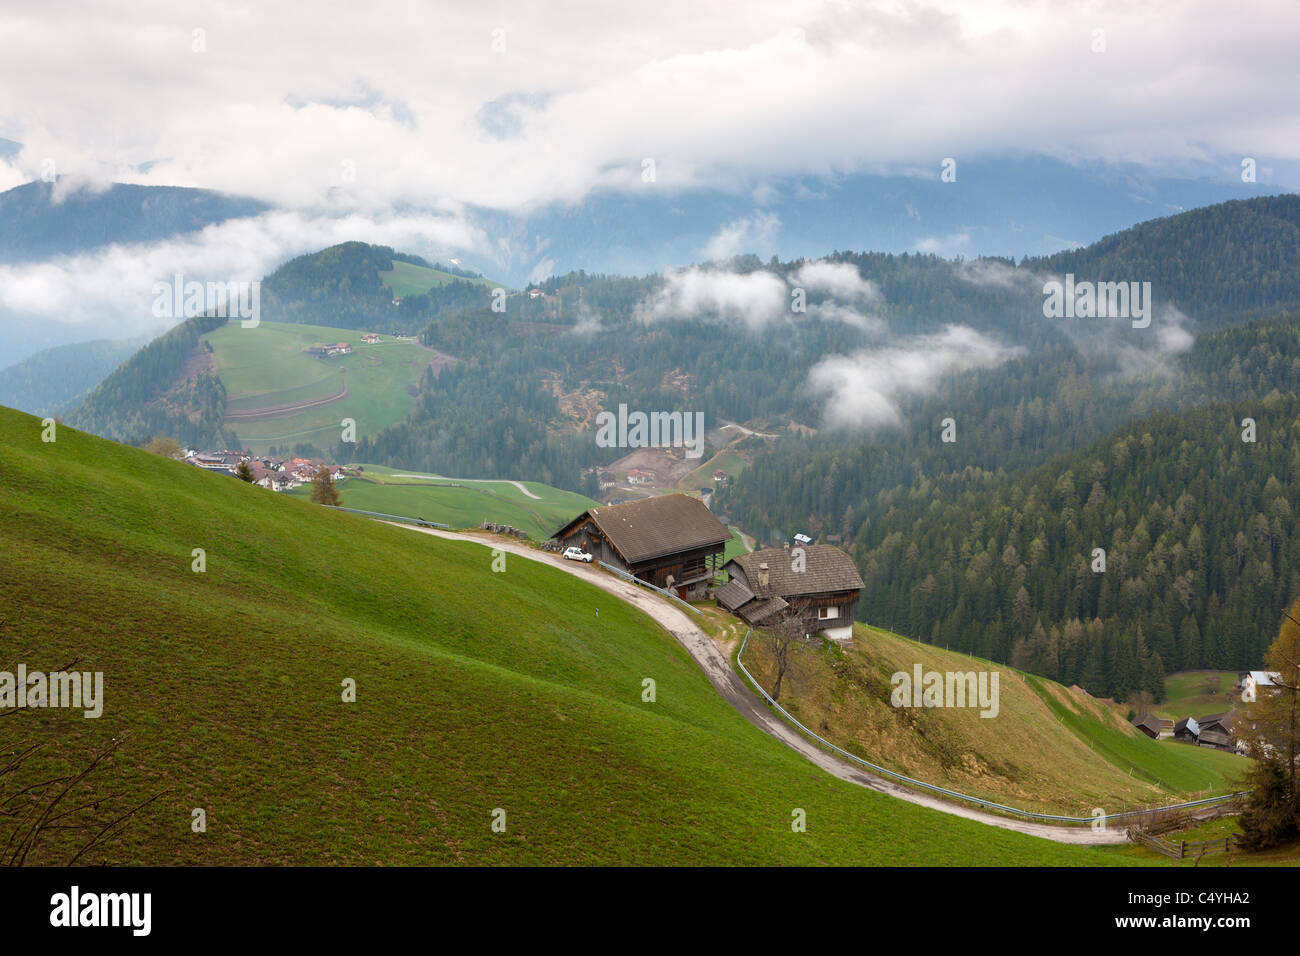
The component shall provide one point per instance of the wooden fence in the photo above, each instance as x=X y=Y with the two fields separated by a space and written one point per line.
x=1183 y=849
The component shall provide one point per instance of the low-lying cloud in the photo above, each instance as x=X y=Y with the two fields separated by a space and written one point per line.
x=840 y=280
x=863 y=391
x=755 y=299
x=759 y=299
x=112 y=287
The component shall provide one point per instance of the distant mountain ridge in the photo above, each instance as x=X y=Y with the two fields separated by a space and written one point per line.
x=53 y=380
x=37 y=224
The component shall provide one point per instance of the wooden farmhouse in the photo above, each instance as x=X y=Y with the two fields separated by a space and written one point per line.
x=820 y=586
x=670 y=541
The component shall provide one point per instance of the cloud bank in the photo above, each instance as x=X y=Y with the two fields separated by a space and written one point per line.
x=863 y=391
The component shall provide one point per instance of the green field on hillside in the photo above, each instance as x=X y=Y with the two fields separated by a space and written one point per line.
x=406 y=278
x=265 y=366
x=476 y=692
x=735 y=546
x=702 y=477
x=1198 y=694
x=1046 y=750
x=460 y=503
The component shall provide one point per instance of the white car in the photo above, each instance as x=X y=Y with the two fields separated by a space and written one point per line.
x=577 y=554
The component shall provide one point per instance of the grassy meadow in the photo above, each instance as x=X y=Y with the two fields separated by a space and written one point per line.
x=265 y=366
x=459 y=503
x=476 y=691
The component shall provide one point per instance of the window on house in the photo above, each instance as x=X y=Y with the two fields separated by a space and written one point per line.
x=826 y=613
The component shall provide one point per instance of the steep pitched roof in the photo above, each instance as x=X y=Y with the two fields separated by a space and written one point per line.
x=758 y=611
x=826 y=569
x=1224 y=720
x=652 y=527
x=1150 y=722
x=1189 y=724
x=733 y=594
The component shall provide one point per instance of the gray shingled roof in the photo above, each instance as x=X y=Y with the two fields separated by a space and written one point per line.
x=652 y=527
x=826 y=569
x=756 y=612
x=733 y=594
x=1150 y=721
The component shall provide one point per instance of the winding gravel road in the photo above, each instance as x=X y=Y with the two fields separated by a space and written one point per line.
x=717 y=668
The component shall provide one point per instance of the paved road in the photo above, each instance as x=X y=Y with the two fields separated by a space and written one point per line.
x=717 y=668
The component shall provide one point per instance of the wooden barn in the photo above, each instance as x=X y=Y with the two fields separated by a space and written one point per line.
x=1150 y=725
x=821 y=586
x=1187 y=730
x=1216 y=732
x=670 y=541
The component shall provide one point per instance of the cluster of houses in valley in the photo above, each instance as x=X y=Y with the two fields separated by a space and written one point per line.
x=277 y=474
x=1216 y=731
x=674 y=542
x=607 y=480
x=328 y=349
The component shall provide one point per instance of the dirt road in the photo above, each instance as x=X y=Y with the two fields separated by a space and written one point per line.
x=717 y=668
x=478 y=481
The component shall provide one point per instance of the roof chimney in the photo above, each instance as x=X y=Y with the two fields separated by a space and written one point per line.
x=762 y=576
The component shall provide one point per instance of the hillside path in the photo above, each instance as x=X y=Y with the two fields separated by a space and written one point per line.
x=717 y=668
x=478 y=481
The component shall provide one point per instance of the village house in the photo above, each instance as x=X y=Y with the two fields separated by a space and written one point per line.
x=209 y=461
x=671 y=541
x=1258 y=681
x=1151 y=725
x=816 y=583
x=325 y=350
x=370 y=338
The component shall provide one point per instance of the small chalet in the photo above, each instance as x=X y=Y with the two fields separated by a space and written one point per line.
x=820 y=586
x=370 y=338
x=1149 y=725
x=670 y=541
x=1187 y=730
x=1257 y=683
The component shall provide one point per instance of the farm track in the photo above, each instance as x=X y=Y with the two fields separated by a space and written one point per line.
x=285 y=411
x=720 y=673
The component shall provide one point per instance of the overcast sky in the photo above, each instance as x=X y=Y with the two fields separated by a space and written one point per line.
x=360 y=105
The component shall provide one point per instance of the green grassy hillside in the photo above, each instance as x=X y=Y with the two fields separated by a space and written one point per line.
x=1048 y=749
x=461 y=503
x=1199 y=693
x=475 y=691
x=266 y=368
x=407 y=278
